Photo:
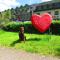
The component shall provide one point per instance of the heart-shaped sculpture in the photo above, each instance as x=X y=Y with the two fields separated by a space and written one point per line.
x=42 y=23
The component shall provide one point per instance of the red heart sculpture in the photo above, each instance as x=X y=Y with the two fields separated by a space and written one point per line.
x=42 y=23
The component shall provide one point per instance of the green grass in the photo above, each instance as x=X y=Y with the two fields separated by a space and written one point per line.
x=35 y=43
x=6 y=38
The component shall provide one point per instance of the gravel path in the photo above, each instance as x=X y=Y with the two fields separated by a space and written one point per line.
x=12 y=54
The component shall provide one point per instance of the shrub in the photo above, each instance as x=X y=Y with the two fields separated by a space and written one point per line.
x=15 y=26
x=12 y=26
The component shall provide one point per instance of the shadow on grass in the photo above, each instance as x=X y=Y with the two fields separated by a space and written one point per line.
x=18 y=41
x=15 y=42
x=57 y=52
x=33 y=39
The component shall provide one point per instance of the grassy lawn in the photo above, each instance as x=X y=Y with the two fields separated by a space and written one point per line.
x=36 y=43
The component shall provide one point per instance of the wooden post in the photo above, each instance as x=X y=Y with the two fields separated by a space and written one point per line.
x=50 y=33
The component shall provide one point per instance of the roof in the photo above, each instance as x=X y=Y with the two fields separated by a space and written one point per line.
x=49 y=2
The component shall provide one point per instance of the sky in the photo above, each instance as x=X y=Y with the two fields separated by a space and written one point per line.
x=8 y=4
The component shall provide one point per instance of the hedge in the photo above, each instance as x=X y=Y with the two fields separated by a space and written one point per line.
x=15 y=26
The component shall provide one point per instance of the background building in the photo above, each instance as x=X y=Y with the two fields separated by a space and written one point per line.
x=51 y=7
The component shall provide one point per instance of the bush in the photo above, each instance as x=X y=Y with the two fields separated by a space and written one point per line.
x=15 y=26
x=12 y=26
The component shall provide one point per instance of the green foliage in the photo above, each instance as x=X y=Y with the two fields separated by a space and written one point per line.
x=12 y=14
x=15 y=26
x=56 y=21
x=12 y=26
x=55 y=27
